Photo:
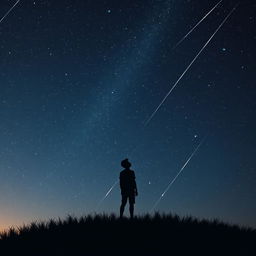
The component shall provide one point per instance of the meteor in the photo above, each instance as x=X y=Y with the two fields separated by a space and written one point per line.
x=9 y=11
x=178 y=174
x=106 y=195
x=191 y=30
x=189 y=66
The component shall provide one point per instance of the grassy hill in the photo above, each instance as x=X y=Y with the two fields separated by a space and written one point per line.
x=145 y=235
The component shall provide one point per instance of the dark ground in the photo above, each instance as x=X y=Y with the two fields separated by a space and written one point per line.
x=145 y=235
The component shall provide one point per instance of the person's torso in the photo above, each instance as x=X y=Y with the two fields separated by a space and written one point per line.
x=127 y=179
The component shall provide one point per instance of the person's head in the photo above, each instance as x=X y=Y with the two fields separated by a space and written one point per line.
x=126 y=164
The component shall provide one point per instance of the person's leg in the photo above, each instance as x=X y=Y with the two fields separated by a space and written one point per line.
x=131 y=210
x=124 y=201
x=131 y=202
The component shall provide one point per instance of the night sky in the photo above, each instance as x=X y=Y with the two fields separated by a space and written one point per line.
x=80 y=77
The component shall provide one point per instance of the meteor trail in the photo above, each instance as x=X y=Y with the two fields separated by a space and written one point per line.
x=109 y=191
x=9 y=11
x=189 y=66
x=191 y=30
x=177 y=175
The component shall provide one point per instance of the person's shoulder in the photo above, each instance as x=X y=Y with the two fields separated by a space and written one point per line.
x=122 y=172
x=132 y=172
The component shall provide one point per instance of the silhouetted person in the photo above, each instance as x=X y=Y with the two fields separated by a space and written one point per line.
x=128 y=187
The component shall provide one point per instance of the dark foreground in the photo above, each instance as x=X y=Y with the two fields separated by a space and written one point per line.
x=108 y=235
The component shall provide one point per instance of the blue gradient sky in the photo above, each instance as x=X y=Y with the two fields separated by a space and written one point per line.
x=78 y=79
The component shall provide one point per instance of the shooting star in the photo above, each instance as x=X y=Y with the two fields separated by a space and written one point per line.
x=9 y=11
x=191 y=30
x=106 y=195
x=178 y=174
x=189 y=66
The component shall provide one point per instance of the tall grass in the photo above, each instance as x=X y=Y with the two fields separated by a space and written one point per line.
x=158 y=234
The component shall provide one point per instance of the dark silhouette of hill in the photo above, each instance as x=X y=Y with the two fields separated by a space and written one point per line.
x=145 y=235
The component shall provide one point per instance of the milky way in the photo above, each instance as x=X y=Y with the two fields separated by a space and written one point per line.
x=78 y=81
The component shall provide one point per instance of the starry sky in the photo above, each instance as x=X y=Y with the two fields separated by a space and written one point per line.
x=78 y=80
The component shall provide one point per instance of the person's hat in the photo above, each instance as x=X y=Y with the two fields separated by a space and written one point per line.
x=125 y=163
